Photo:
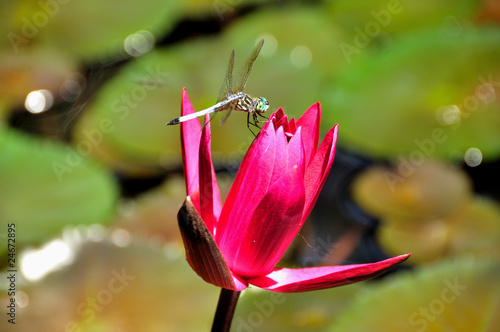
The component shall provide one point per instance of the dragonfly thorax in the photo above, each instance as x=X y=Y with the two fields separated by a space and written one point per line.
x=250 y=104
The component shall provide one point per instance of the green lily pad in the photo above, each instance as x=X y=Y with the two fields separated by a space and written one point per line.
x=479 y=231
x=427 y=95
x=87 y=29
x=430 y=190
x=384 y=19
x=474 y=230
x=430 y=211
x=294 y=63
x=153 y=214
x=46 y=186
x=463 y=295
x=107 y=287
x=265 y=311
x=40 y=69
x=428 y=240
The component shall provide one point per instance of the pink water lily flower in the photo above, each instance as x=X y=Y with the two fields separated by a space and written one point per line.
x=278 y=182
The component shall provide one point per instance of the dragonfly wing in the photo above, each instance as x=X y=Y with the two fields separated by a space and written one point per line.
x=244 y=73
x=209 y=120
x=226 y=115
x=227 y=85
x=222 y=106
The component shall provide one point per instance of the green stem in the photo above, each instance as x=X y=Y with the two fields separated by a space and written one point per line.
x=225 y=310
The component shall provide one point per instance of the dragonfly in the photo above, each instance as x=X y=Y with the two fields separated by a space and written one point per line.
x=231 y=96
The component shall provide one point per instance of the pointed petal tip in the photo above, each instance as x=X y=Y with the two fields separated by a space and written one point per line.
x=184 y=94
x=284 y=280
x=190 y=143
x=334 y=131
x=405 y=256
x=278 y=114
x=186 y=107
x=317 y=105
x=314 y=110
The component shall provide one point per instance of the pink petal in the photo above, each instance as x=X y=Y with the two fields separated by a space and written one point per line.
x=296 y=150
x=202 y=253
x=248 y=189
x=277 y=117
x=210 y=203
x=272 y=228
x=293 y=126
x=310 y=123
x=318 y=169
x=281 y=154
x=190 y=140
x=285 y=280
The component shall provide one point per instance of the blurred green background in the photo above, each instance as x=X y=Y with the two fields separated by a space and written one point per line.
x=92 y=178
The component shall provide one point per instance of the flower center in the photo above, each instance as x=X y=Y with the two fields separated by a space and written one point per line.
x=281 y=120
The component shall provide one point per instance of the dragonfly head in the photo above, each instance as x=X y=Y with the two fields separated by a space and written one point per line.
x=262 y=105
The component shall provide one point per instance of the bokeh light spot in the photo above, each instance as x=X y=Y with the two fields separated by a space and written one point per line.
x=35 y=264
x=22 y=299
x=473 y=157
x=448 y=115
x=270 y=44
x=96 y=232
x=72 y=87
x=139 y=43
x=120 y=237
x=301 y=56
x=38 y=101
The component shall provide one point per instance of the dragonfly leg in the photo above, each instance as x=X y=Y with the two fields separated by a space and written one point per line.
x=256 y=119
x=262 y=115
x=250 y=123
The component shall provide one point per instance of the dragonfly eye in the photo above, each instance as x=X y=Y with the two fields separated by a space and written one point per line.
x=262 y=105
